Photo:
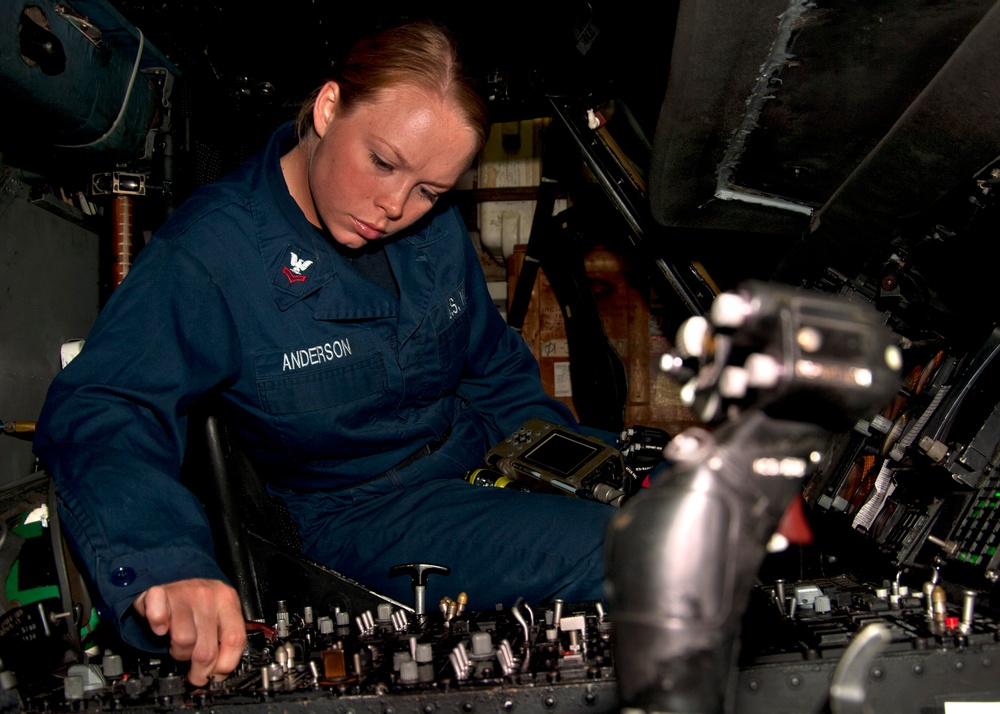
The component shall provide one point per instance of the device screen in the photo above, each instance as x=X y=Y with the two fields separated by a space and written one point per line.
x=560 y=454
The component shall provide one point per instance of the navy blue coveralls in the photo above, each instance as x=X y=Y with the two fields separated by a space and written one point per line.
x=328 y=380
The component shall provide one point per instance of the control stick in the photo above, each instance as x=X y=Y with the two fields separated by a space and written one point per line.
x=780 y=370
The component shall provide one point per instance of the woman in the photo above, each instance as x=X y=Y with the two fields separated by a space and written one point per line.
x=328 y=304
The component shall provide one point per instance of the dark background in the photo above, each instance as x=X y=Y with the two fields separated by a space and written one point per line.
x=881 y=118
x=244 y=70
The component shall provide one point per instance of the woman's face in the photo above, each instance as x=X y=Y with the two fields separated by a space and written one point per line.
x=379 y=168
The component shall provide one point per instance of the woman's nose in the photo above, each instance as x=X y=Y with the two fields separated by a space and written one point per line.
x=393 y=201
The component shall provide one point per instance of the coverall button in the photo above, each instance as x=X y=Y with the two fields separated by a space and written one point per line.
x=123 y=576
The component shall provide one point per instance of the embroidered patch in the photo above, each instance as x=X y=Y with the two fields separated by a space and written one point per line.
x=296 y=268
x=293 y=271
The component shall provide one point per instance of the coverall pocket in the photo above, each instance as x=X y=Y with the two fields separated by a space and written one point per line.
x=358 y=386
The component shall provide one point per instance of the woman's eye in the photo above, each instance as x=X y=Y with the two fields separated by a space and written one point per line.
x=429 y=195
x=381 y=163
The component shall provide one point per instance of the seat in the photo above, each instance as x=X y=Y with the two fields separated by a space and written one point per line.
x=257 y=545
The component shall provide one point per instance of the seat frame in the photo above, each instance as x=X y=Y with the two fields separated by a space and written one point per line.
x=256 y=544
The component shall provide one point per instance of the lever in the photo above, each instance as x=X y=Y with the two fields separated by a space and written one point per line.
x=848 y=690
x=419 y=573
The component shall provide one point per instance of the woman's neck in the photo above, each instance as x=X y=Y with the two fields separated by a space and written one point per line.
x=295 y=169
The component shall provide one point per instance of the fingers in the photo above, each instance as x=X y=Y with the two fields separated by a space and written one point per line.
x=220 y=636
x=232 y=636
x=155 y=607
x=184 y=634
x=205 y=623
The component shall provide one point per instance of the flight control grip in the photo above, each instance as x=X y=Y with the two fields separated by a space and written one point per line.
x=780 y=370
x=683 y=557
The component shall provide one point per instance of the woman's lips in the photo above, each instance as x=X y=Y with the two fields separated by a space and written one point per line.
x=367 y=231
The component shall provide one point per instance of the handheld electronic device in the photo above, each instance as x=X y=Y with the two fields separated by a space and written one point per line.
x=567 y=462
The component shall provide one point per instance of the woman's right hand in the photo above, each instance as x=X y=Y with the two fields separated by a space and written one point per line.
x=205 y=623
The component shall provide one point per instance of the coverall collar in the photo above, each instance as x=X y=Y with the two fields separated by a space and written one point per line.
x=300 y=261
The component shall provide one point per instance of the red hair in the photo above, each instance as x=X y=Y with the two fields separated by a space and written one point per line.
x=423 y=54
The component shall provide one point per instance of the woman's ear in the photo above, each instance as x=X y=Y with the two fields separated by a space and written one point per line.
x=325 y=107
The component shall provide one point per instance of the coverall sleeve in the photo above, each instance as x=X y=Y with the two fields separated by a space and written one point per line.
x=112 y=431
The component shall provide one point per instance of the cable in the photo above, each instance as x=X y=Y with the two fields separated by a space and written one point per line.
x=121 y=112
